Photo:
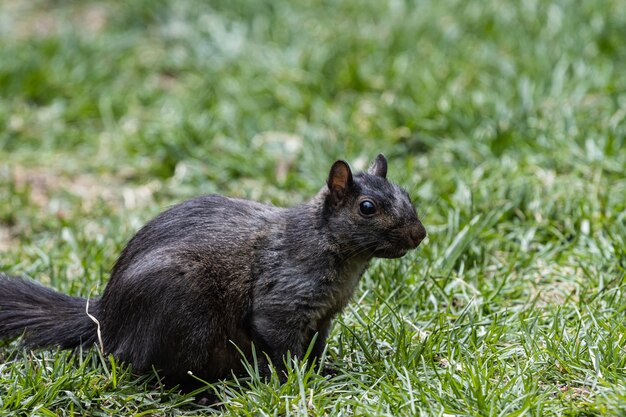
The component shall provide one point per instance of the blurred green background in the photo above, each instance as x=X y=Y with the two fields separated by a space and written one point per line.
x=505 y=120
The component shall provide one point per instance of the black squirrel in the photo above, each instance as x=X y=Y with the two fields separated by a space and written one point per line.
x=205 y=280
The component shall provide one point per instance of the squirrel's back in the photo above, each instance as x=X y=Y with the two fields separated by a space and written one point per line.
x=215 y=223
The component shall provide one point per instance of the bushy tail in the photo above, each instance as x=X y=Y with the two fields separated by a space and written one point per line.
x=45 y=317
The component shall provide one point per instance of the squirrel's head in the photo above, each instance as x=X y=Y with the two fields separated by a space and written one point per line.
x=369 y=216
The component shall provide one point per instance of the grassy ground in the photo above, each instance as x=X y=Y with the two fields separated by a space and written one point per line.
x=505 y=120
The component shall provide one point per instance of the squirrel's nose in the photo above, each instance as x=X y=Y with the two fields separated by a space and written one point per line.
x=417 y=233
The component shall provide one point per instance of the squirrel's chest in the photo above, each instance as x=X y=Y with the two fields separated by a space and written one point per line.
x=344 y=284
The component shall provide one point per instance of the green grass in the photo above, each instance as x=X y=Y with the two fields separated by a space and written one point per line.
x=505 y=120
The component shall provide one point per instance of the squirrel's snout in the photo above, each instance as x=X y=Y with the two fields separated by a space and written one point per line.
x=417 y=233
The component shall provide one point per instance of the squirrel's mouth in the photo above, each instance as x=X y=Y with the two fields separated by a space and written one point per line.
x=391 y=253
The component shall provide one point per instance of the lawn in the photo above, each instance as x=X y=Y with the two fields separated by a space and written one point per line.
x=505 y=121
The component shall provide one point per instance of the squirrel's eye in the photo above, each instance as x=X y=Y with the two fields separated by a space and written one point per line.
x=367 y=208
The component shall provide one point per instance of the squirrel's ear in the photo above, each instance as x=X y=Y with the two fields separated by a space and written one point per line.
x=339 y=181
x=379 y=166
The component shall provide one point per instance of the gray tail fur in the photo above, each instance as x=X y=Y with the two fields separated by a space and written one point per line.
x=43 y=316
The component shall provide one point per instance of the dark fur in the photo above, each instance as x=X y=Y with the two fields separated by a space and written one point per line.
x=215 y=272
